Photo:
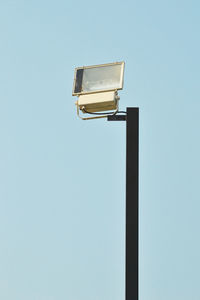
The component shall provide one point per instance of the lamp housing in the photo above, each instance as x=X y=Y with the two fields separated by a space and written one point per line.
x=104 y=101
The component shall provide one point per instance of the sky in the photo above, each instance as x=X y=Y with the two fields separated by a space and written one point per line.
x=62 y=180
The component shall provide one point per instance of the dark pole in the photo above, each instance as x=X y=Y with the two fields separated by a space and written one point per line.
x=132 y=157
x=132 y=202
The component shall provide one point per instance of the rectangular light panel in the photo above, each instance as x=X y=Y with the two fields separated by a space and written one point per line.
x=93 y=79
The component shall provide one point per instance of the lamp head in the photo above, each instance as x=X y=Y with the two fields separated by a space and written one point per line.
x=97 y=86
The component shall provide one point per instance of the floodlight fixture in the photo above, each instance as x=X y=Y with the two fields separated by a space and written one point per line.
x=97 y=87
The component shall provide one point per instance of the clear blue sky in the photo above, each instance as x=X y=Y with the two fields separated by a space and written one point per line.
x=62 y=180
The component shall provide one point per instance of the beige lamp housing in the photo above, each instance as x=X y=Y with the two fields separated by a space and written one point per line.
x=96 y=88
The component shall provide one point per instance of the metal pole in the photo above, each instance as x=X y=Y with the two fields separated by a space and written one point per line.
x=132 y=202
x=132 y=182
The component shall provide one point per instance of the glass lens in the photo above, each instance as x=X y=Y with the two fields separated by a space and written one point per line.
x=102 y=78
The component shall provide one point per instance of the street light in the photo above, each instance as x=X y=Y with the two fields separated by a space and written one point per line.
x=96 y=88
